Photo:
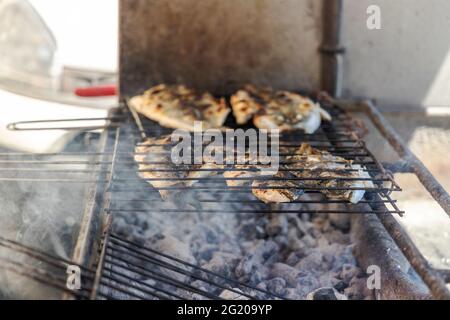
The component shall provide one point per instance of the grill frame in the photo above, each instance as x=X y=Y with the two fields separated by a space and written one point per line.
x=89 y=251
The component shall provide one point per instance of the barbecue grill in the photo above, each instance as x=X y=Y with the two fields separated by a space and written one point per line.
x=115 y=267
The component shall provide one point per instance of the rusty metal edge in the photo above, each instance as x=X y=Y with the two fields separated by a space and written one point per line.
x=87 y=247
x=432 y=278
x=427 y=179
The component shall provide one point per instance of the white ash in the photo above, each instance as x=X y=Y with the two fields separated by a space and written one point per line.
x=288 y=255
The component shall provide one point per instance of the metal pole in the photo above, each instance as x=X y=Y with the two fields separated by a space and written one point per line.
x=331 y=48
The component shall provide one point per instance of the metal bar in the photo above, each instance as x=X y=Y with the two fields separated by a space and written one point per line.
x=259 y=211
x=141 y=250
x=423 y=174
x=107 y=220
x=331 y=50
x=15 y=126
x=431 y=277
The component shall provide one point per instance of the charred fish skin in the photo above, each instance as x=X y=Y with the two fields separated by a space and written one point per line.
x=154 y=163
x=179 y=107
x=282 y=110
x=288 y=191
x=153 y=157
x=320 y=163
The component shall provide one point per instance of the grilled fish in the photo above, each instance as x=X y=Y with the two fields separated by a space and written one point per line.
x=281 y=110
x=178 y=107
x=320 y=163
x=157 y=150
x=289 y=190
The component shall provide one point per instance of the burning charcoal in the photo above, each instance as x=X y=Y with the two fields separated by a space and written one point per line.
x=294 y=258
x=340 y=221
x=349 y=272
x=222 y=263
x=245 y=267
x=172 y=246
x=292 y=294
x=282 y=241
x=278 y=224
x=299 y=225
x=276 y=286
x=286 y=272
x=309 y=241
x=306 y=282
x=328 y=280
x=121 y=227
x=336 y=236
x=313 y=261
x=358 y=289
x=340 y=286
x=230 y=295
x=325 y=294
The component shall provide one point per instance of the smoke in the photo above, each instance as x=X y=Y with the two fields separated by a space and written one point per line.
x=44 y=215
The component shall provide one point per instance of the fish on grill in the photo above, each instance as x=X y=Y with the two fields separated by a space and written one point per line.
x=153 y=157
x=283 y=191
x=178 y=107
x=246 y=175
x=282 y=110
x=333 y=170
x=158 y=150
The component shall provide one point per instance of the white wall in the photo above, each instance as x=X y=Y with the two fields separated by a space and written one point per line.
x=407 y=62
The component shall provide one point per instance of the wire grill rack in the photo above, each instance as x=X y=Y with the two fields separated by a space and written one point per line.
x=124 y=269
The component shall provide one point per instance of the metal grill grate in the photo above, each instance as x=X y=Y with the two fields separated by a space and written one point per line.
x=139 y=272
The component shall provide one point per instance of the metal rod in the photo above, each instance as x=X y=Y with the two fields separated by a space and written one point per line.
x=331 y=49
x=427 y=179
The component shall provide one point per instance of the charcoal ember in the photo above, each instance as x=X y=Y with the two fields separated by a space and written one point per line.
x=198 y=284
x=309 y=241
x=246 y=267
x=294 y=257
x=340 y=221
x=299 y=246
x=276 y=286
x=170 y=245
x=301 y=227
x=121 y=227
x=222 y=263
x=340 y=286
x=205 y=253
x=313 y=261
x=343 y=257
x=307 y=281
x=288 y=273
x=231 y=295
x=336 y=236
x=358 y=290
x=325 y=293
x=349 y=271
x=282 y=241
x=330 y=253
x=328 y=280
x=278 y=224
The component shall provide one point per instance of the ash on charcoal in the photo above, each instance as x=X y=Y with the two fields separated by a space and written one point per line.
x=289 y=255
x=325 y=294
x=230 y=295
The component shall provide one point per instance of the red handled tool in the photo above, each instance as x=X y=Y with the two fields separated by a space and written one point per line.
x=97 y=91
